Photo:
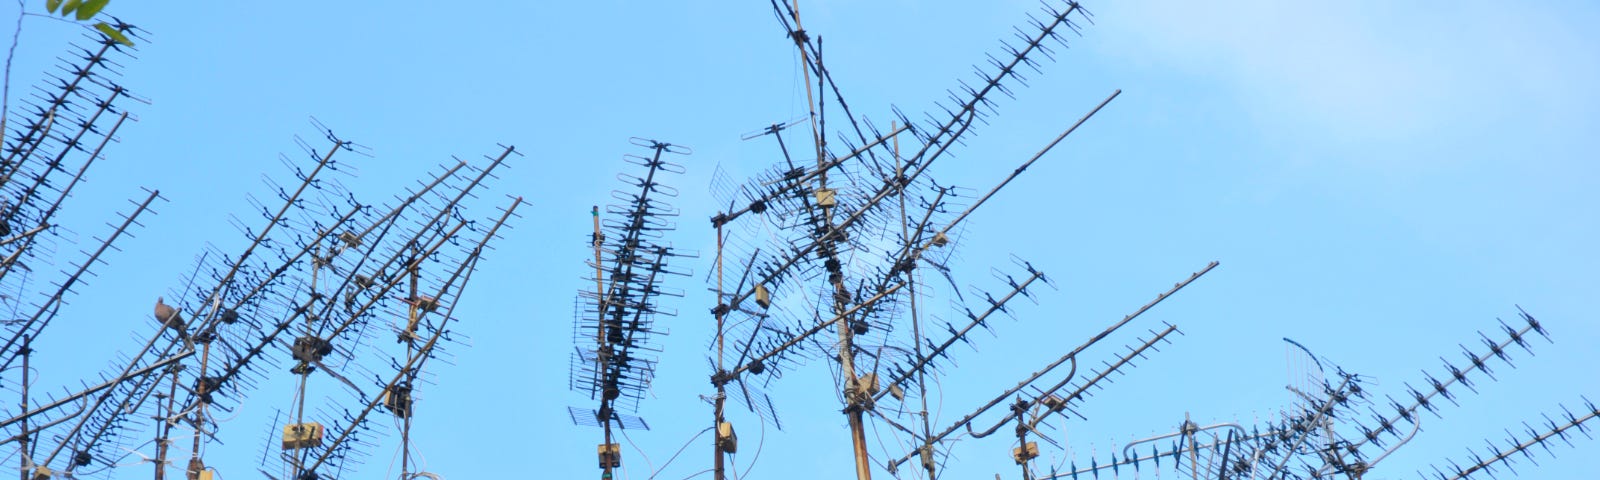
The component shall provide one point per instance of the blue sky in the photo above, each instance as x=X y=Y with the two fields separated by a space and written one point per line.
x=1379 y=181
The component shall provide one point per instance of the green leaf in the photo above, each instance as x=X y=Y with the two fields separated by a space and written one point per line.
x=70 y=6
x=90 y=8
x=51 y=5
x=112 y=32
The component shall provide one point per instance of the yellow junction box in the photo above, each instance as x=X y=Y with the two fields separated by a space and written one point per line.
x=302 y=435
x=610 y=455
x=727 y=440
x=1026 y=452
x=825 y=197
x=868 y=383
x=763 y=297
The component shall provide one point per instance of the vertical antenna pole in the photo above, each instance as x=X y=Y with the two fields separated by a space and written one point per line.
x=164 y=429
x=405 y=448
x=304 y=366
x=1194 y=455
x=916 y=321
x=161 y=441
x=606 y=472
x=599 y=331
x=717 y=402
x=811 y=105
x=22 y=449
x=1022 y=439
x=852 y=388
x=202 y=398
x=413 y=322
x=599 y=282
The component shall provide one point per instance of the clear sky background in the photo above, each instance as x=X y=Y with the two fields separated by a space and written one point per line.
x=1379 y=180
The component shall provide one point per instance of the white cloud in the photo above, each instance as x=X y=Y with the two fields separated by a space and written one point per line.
x=1370 y=70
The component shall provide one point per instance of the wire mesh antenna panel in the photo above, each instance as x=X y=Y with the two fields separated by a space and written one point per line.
x=614 y=358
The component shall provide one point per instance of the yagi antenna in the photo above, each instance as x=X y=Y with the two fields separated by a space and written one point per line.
x=896 y=383
x=1425 y=399
x=1069 y=356
x=614 y=361
x=307 y=279
x=1310 y=439
x=1535 y=436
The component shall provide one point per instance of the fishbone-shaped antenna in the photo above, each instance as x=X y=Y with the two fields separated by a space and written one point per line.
x=1504 y=456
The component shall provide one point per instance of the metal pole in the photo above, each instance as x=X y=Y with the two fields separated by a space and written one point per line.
x=721 y=398
x=23 y=449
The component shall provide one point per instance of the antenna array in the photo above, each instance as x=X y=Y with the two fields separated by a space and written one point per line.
x=614 y=360
x=823 y=256
x=831 y=244
x=1324 y=435
x=318 y=275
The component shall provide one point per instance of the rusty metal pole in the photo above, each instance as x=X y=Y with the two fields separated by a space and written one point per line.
x=722 y=397
x=853 y=391
x=856 y=398
x=858 y=438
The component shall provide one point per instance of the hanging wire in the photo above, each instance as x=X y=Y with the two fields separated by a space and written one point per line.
x=647 y=462
x=680 y=451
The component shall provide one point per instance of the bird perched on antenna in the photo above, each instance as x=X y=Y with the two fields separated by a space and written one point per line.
x=169 y=316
